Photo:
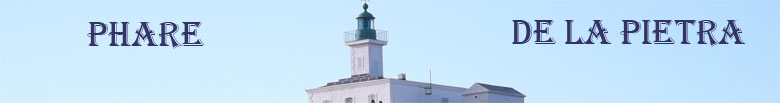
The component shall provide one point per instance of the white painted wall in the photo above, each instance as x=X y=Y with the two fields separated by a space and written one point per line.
x=476 y=98
x=366 y=56
x=359 y=92
x=501 y=98
x=387 y=91
x=489 y=97
x=413 y=92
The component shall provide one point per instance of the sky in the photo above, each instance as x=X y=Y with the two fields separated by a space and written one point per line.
x=271 y=51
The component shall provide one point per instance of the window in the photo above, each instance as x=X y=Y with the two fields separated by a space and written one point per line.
x=348 y=100
x=360 y=24
x=366 y=24
x=372 y=97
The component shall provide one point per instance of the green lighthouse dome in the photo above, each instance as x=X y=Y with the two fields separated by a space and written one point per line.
x=365 y=13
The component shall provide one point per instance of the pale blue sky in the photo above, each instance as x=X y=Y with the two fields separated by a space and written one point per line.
x=271 y=51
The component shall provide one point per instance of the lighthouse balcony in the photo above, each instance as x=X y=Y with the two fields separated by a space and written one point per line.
x=355 y=35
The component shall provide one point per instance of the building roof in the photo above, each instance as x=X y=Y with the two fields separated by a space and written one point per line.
x=485 y=88
x=354 y=79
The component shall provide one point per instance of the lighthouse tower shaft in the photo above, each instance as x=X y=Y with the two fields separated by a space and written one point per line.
x=366 y=56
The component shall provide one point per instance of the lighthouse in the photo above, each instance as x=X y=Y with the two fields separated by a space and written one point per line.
x=368 y=85
x=366 y=45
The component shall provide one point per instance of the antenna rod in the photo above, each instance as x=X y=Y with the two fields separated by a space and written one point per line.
x=429 y=89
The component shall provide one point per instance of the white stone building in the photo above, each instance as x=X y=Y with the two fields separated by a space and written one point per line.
x=368 y=85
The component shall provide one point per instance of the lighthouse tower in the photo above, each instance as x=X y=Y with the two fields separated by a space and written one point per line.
x=366 y=45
